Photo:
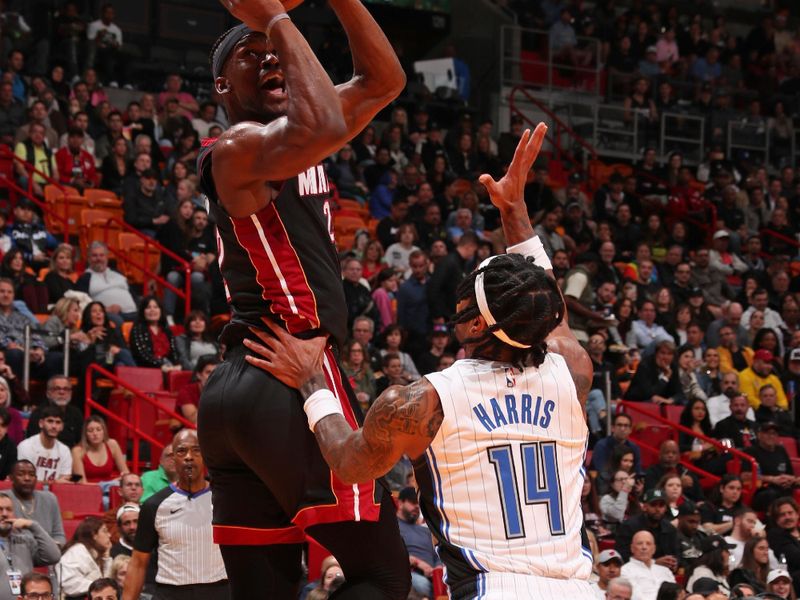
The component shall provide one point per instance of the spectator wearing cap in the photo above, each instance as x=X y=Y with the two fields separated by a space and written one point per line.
x=76 y=167
x=30 y=236
x=653 y=520
x=645 y=573
x=146 y=208
x=713 y=564
x=779 y=583
x=711 y=281
x=725 y=261
x=759 y=374
x=690 y=537
x=777 y=477
x=580 y=297
x=417 y=538
x=608 y=566
x=769 y=411
x=127 y=521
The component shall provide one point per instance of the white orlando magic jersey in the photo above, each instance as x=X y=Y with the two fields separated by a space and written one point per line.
x=501 y=482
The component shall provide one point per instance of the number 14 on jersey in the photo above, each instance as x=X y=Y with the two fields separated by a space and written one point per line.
x=540 y=485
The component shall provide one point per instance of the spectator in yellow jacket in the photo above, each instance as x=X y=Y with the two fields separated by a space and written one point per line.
x=752 y=379
x=732 y=356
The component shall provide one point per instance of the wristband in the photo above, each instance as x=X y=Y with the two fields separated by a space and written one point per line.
x=532 y=248
x=319 y=405
x=274 y=20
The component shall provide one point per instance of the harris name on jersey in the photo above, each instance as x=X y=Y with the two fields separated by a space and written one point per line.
x=538 y=413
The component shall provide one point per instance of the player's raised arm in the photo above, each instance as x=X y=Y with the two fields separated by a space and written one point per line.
x=378 y=77
x=270 y=70
x=403 y=420
x=508 y=196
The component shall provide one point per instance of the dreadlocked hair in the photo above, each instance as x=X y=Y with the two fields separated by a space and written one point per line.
x=523 y=299
x=216 y=45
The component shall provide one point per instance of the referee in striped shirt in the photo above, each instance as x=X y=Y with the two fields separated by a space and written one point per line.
x=177 y=522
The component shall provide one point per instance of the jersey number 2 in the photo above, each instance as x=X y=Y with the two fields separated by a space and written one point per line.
x=540 y=485
x=326 y=209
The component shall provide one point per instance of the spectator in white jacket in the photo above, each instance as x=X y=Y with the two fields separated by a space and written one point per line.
x=642 y=571
x=86 y=558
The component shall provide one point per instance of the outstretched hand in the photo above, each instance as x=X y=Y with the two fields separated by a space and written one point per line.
x=256 y=14
x=289 y=359
x=508 y=192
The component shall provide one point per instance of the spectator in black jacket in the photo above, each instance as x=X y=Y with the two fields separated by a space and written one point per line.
x=652 y=519
x=30 y=236
x=59 y=279
x=656 y=380
x=448 y=275
x=152 y=342
x=146 y=208
x=737 y=427
x=357 y=295
x=59 y=394
x=784 y=534
x=668 y=457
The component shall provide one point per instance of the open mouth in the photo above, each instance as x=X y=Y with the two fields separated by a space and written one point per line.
x=274 y=84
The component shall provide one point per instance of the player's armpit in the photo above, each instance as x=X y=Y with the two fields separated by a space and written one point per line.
x=578 y=361
x=403 y=420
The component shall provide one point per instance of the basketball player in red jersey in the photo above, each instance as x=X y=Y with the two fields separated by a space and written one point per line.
x=269 y=196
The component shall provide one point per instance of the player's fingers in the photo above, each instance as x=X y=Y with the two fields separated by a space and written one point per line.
x=535 y=144
x=523 y=142
x=278 y=331
x=261 y=349
x=264 y=336
x=489 y=183
x=259 y=362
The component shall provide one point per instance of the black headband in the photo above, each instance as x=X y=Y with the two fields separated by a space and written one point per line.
x=230 y=39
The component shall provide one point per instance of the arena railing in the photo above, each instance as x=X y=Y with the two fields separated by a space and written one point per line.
x=685 y=133
x=134 y=426
x=537 y=69
x=557 y=133
x=675 y=428
x=780 y=237
x=147 y=273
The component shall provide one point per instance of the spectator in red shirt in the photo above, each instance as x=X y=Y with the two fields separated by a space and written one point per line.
x=76 y=167
x=189 y=395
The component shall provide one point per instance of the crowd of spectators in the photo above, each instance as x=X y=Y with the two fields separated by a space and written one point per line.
x=679 y=279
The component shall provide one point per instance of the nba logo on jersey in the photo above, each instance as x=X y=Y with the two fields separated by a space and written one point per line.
x=511 y=380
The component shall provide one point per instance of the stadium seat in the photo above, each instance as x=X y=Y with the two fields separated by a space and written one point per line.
x=126 y=331
x=791 y=446
x=142 y=378
x=672 y=412
x=78 y=499
x=95 y=227
x=439 y=587
x=139 y=260
x=97 y=197
x=70 y=525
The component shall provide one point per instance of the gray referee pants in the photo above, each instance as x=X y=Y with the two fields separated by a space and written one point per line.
x=200 y=591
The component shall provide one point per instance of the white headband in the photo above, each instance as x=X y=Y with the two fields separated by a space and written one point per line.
x=483 y=306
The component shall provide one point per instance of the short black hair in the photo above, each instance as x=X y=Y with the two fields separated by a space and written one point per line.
x=525 y=302
x=103 y=583
x=51 y=410
x=204 y=361
x=34 y=577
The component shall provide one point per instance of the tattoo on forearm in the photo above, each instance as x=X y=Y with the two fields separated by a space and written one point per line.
x=401 y=418
x=316 y=382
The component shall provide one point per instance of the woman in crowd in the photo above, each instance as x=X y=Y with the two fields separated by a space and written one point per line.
x=665 y=308
x=196 y=341
x=713 y=563
x=725 y=500
x=680 y=322
x=179 y=172
x=61 y=276
x=709 y=374
x=173 y=234
x=687 y=375
x=65 y=317
x=700 y=311
x=695 y=417
x=656 y=237
x=754 y=325
x=356 y=367
x=621 y=459
x=365 y=146
x=396 y=255
x=616 y=505
x=119 y=569
x=115 y=166
x=106 y=344
x=766 y=339
x=590 y=507
x=185 y=151
x=394 y=337
x=779 y=582
x=384 y=297
x=672 y=486
x=625 y=314
x=15 y=432
x=754 y=566
x=85 y=558
x=152 y=342
x=97 y=458
x=372 y=263
x=26 y=287
x=360 y=241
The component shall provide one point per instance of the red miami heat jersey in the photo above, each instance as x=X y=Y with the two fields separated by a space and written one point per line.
x=280 y=262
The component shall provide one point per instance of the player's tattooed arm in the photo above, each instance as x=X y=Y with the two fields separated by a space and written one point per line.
x=403 y=420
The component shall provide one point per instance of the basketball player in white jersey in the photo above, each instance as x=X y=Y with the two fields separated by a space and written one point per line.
x=498 y=439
